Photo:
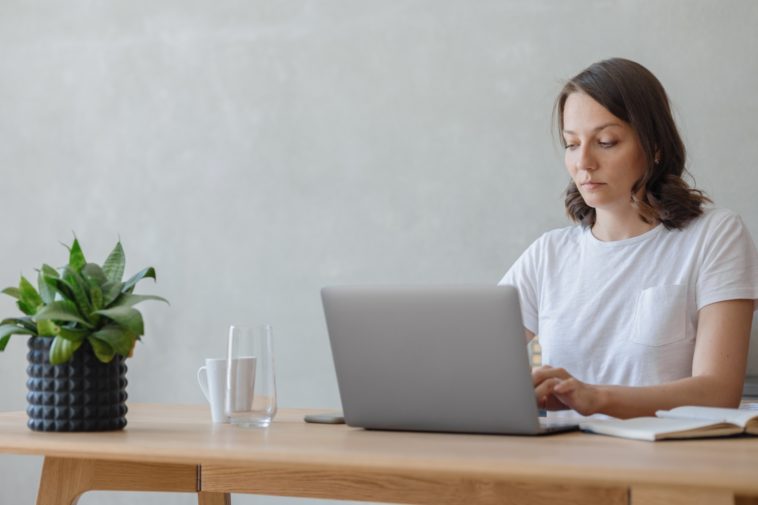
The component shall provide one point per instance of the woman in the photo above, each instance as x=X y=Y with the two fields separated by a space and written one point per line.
x=647 y=302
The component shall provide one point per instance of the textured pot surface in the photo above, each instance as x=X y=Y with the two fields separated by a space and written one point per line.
x=80 y=395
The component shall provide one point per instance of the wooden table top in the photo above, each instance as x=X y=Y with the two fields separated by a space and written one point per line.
x=183 y=434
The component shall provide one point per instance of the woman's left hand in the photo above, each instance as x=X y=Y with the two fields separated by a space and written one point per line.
x=556 y=389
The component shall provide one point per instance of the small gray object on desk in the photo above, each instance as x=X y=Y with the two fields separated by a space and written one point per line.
x=329 y=418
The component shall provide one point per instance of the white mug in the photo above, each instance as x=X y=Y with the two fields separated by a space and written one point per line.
x=212 y=381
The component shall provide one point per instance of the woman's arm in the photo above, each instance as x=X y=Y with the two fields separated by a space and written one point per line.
x=718 y=373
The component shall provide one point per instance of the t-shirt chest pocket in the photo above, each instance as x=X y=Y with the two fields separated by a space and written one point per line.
x=660 y=316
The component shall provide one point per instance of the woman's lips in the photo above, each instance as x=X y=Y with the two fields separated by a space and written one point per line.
x=592 y=185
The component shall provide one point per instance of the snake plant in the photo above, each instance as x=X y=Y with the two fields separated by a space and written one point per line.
x=80 y=302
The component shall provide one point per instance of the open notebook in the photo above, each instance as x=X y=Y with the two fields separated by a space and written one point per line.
x=679 y=423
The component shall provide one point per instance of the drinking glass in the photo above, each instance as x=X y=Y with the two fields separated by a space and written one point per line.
x=250 y=399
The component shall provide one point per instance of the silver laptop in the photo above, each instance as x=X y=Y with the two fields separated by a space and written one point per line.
x=433 y=358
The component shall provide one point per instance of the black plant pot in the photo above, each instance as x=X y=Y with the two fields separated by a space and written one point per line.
x=83 y=394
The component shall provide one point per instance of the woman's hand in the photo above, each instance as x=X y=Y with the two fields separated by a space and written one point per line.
x=556 y=389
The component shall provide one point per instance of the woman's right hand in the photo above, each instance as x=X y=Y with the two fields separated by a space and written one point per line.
x=556 y=389
x=545 y=378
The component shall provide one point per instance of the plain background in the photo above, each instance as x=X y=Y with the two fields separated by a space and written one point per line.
x=254 y=151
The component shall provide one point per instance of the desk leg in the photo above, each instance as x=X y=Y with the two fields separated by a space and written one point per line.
x=204 y=498
x=654 y=495
x=64 y=480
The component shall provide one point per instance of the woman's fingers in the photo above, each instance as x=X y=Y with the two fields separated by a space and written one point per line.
x=565 y=386
x=554 y=403
x=545 y=397
x=538 y=375
x=541 y=374
x=556 y=389
x=578 y=396
x=545 y=387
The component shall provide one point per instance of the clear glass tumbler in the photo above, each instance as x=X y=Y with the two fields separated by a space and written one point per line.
x=250 y=399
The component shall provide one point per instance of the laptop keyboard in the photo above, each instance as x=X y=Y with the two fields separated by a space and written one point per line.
x=557 y=424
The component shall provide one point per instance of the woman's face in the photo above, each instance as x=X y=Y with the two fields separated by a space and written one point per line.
x=603 y=154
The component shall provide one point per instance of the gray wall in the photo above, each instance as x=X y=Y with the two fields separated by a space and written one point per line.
x=254 y=151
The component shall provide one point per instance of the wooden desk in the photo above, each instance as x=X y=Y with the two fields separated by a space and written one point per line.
x=175 y=448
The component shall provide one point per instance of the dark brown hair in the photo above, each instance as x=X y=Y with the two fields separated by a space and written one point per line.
x=633 y=94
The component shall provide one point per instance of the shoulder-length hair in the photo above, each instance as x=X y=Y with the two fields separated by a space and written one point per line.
x=633 y=94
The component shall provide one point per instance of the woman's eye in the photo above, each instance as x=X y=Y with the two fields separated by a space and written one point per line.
x=607 y=145
x=569 y=146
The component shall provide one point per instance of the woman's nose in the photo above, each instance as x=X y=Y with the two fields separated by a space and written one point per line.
x=585 y=160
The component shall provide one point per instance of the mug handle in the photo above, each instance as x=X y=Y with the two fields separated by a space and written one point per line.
x=203 y=382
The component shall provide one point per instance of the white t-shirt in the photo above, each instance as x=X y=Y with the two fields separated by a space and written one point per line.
x=625 y=312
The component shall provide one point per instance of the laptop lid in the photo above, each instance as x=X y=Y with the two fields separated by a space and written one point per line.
x=431 y=358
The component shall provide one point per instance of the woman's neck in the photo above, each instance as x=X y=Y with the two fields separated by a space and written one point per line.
x=610 y=226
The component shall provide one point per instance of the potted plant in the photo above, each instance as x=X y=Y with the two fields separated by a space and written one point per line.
x=82 y=325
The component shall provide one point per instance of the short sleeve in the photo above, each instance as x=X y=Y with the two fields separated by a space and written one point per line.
x=524 y=276
x=729 y=269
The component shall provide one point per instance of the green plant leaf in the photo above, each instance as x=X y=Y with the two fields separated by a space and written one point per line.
x=111 y=291
x=14 y=292
x=103 y=351
x=115 y=263
x=12 y=329
x=26 y=308
x=62 y=288
x=61 y=350
x=29 y=295
x=126 y=317
x=47 y=328
x=128 y=300
x=78 y=285
x=129 y=285
x=24 y=322
x=95 y=279
x=6 y=330
x=73 y=334
x=94 y=275
x=45 y=291
x=118 y=338
x=62 y=310
x=58 y=286
x=76 y=259
x=50 y=271
x=96 y=295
